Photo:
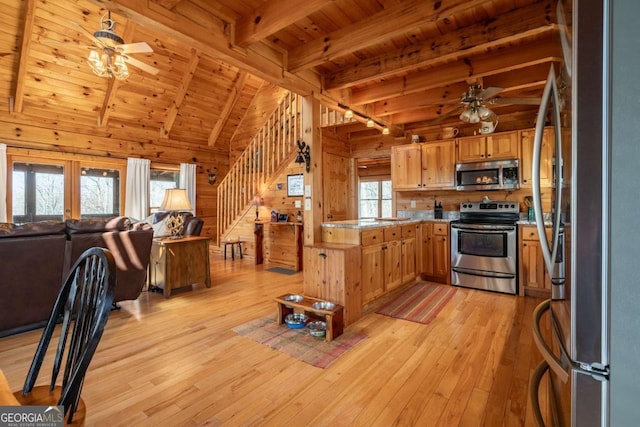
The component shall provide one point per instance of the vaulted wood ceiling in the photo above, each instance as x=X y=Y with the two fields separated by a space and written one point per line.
x=224 y=64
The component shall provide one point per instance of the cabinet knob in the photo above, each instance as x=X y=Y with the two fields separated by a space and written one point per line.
x=488 y=155
x=524 y=244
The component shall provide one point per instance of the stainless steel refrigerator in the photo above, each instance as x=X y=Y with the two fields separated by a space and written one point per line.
x=576 y=354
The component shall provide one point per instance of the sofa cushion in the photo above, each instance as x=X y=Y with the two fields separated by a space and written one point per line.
x=31 y=229
x=118 y=223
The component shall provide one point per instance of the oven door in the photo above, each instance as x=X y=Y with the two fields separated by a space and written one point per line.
x=483 y=256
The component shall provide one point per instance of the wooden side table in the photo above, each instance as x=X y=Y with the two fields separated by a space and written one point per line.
x=179 y=262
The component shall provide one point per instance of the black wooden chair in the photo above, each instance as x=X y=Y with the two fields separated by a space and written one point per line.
x=82 y=308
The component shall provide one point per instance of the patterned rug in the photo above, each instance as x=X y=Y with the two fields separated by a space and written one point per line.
x=299 y=343
x=420 y=303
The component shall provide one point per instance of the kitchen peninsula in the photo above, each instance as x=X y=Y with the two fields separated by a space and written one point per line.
x=359 y=261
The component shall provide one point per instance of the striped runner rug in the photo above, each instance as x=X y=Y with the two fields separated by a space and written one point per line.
x=420 y=303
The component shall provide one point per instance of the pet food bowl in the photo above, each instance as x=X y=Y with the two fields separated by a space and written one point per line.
x=317 y=329
x=323 y=305
x=296 y=320
x=293 y=298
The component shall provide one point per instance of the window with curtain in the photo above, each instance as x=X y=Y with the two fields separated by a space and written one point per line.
x=160 y=181
x=374 y=198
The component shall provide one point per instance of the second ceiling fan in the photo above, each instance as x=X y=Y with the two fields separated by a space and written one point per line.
x=474 y=101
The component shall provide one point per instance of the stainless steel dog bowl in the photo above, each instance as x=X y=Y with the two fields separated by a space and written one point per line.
x=323 y=305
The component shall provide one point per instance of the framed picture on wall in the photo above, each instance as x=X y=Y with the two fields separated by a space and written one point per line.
x=295 y=185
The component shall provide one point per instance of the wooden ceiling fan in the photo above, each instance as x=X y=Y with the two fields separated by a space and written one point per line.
x=473 y=104
x=110 y=56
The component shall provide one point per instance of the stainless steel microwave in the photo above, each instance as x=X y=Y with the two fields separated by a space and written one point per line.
x=493 y=175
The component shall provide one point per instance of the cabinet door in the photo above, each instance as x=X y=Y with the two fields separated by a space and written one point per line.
x=406 y=167
x=425 y=250
x=472 y=149
x=393 y=259
x=546 y=159
x=441 y=257
x=314 y=271
x=502 y=146
x=533 y=269
x=408 y=259
x=438 y=165
x=372 y=272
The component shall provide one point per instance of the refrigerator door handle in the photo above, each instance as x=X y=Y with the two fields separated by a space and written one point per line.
x=550 y=93
x=534 y=386
x=554 y=362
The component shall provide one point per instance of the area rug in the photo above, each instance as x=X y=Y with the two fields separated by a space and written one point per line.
x=281 y=270
x=299 y=343
x=420 y=303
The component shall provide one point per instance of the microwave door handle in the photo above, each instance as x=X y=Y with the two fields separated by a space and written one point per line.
x=554 y=362
x=534 y=387
x=547 y=251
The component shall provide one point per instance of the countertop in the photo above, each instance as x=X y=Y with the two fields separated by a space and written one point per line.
x=381 y=222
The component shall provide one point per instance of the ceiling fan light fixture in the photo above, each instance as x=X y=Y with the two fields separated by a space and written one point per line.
x=484 y=113
x=370 y=123
x=385 y=130
x=348 y=114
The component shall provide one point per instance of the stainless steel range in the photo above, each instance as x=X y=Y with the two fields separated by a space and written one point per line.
x=484 y=246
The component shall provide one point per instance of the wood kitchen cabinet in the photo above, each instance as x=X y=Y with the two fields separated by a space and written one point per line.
x=334 y=274
x=435 y=252
x=546 y=158
x=423 y=166
x=534 y=279
x=497 y=146
x=408 y=252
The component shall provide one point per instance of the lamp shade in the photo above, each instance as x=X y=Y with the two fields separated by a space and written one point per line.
x=175 y=199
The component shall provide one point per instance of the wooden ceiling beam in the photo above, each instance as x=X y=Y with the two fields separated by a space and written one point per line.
x=504 y=60
x=228 y=107
x=18 y=98
x=375 y=29
x=212 y=40
x=272 y=16
x=194 y=59
x=520 y=24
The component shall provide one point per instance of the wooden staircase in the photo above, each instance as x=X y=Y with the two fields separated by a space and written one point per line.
x=270 y=150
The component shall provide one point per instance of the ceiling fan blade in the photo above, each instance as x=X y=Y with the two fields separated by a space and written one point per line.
x=447 y=115
x=527 y=101
x=88 y=34
x=489 y=92
x=141 y=65
x=139 y=47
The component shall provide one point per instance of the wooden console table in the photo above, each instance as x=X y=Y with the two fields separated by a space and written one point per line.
x=179 y=262
x=281 y=244
x=333 y=318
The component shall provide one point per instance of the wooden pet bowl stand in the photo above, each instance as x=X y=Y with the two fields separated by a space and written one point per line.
x=333 y=318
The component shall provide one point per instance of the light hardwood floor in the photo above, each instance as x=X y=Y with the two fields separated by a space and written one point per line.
x=177 y=362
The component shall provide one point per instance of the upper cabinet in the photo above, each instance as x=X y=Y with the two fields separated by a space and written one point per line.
x=423 y=166
x=546 y=158
x=481 y=148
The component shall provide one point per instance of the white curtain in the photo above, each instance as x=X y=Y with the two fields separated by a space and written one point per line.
x=3 y=182
x=188 y=182
x=136 y=205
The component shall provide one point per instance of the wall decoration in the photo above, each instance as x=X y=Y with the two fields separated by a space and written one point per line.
x=295 y=185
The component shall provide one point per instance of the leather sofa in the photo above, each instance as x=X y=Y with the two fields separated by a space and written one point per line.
x=37 y=256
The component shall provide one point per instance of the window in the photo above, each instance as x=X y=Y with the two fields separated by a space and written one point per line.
x=99 y=193
x=375 y=198
x=161 y=180
x=37 y=193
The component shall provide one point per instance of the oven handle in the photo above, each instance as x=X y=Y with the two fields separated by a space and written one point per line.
x=483 y=273
x=488 y=229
